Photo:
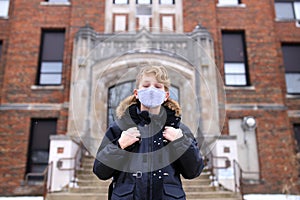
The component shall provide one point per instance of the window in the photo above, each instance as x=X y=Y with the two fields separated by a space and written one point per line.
x=0 y=50
x=292 y=67
x=167 y=2
x=4 y=7
x=51 y=58
x=120 y=23
x=143 y=11
x=167 y=23
x=119 y=92
x=229 y=2
x=38 y=149
x=120 y=1
x=235 y=65
x=287 y=10
x=297 y=136
x=144 y=22
x=143 y=1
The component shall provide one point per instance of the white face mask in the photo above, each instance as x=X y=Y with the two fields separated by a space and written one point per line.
x=151 y=97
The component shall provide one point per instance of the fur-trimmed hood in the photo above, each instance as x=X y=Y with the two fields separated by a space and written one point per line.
x=170 y=103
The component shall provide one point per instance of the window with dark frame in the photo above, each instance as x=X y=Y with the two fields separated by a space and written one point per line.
x=38 y=148
x=291 y=63
x=51 y=57
x=235 y=59
x=230 y=2
x=0 y=50
x=297 y=136
x=167 y=2
x=4 y=8
x=297 y=139
x=287 y=10
x=144 y=2
x=120 y=2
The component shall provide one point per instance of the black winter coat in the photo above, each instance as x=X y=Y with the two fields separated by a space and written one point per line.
x=149 y=169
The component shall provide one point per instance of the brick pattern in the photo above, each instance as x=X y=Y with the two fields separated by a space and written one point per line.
x=21 y=36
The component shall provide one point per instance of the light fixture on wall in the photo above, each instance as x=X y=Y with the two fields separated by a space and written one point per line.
x=249 y=123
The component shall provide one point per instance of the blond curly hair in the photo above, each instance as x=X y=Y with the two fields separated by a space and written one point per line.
x=160 y=73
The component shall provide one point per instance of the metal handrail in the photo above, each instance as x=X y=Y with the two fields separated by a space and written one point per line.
x=238 y=178
x=45 y=179
x=75 y=157
x=213 y=167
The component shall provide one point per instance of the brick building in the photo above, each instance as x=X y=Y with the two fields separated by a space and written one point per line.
x=255 y=45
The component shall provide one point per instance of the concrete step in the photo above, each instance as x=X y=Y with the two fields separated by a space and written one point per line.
x=211 y=195
x=102 y=196
x=205 y=182
x=89 y=189
x=99 y=183
x=76 y=196
x=198 y=188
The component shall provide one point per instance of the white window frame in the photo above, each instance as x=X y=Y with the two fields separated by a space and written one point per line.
x=4 y=8
x=167 y=23
x=120 y=23
x=167 y=2
x=143 y=2
x=120 y=2
x=144 y=22
x=237 y=72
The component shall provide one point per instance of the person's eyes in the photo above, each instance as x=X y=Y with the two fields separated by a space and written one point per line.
x=159 y=85
x=146 y=85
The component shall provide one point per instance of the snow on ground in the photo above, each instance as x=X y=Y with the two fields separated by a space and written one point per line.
x=271 y=197
x=21 y=198
x=247 y=197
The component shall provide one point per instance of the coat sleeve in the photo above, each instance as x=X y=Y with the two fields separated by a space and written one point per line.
x=109 y=154
x=190 y=163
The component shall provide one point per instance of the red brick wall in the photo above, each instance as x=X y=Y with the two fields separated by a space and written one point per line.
x=15 y=134
x=21 y=35
x=19 y=65
x=276 y=144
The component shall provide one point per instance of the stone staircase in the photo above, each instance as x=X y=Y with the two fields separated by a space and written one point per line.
x=89 y=187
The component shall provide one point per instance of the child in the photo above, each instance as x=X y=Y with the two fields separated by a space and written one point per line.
x=147 y=149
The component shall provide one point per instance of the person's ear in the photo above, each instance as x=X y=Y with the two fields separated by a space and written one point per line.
x=135 y=93
x=167 y=95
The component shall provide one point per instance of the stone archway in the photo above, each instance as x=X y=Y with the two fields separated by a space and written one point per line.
x=101 y=61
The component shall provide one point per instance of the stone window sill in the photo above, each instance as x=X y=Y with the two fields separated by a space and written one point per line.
x=55 y=3
x=231 y=5
x=48 y=87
